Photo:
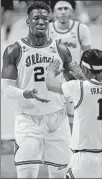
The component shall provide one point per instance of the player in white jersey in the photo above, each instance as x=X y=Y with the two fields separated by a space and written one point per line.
x=75 y=35
x=86 y=141
x=72 y=33
x=42 y=130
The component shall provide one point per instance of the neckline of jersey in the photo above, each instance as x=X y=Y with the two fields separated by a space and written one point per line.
x=63 y=32
x=23 y=40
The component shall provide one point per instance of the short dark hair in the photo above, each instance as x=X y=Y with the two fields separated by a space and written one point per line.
x=38 y=5
x=72 y=2
x=92 y=57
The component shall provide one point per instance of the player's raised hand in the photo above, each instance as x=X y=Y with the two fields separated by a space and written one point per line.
x=77 y=72
x=53 y=68
x=32 y=94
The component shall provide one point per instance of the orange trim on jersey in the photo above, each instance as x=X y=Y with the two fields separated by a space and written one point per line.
x=79 y=34
x=20 y=53
x=28 y=162
x=23 y=40
x=87 y=150
x=94 y=82
x=63 y=32
x=81 y=95
x=55 y=164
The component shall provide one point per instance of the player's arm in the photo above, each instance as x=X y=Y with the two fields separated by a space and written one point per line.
x=53 y=70
x=71 y=69
x=10 y=72
x=11 y=58
x=84 y=37
x=52 y=82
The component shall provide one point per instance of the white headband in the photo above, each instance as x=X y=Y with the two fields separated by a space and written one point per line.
x=63 y=4
x=93 y=66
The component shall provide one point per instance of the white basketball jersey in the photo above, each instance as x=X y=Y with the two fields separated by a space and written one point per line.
x=70 y=38
x=32 y=70
x=87 y=126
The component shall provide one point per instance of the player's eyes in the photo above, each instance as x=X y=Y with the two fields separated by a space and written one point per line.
x=36 y=18
x=45 y=18
x=59 y=8
x=66 y=8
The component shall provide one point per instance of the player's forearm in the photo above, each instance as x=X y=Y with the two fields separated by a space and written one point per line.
x=10 y=90
x=53 y=84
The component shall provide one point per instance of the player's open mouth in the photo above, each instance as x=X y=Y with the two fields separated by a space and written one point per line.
x=63 y=17
x=41 y=29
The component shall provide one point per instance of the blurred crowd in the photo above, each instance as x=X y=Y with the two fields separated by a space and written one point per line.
x=13 y=11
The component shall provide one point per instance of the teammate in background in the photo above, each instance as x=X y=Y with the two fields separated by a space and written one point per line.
x=72 y=33
x=75 y=35
x=42 y=132
x=86 y=141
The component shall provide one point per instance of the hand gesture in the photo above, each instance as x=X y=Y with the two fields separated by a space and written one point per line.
x=53 y=68
x=32 y=94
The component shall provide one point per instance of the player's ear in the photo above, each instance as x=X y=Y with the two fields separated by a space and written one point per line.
x=27 y=22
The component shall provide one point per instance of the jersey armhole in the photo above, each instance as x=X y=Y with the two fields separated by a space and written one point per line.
x=20 y=53
x=58 y=49
x=81 y=95
x=79 y=34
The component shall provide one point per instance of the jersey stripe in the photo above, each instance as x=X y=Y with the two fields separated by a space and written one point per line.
x=81 y=95
x=55 y=164
x=20 y=56
x=28 y=162
x=79 y=33
x=70 y=173
x=88 y=150
x=95 y=82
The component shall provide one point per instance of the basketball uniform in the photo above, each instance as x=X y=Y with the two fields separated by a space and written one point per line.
x=70 y=38
x=86 y=141
x=42 y=130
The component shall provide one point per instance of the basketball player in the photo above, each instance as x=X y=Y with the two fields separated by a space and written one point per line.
x=72 y=33
x=42 y=133
x=86 y=141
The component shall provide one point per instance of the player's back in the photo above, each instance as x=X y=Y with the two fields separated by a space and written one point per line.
x=87 y=129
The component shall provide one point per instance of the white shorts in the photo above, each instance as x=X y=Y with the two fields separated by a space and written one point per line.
x=85 y=165
x=42 y=140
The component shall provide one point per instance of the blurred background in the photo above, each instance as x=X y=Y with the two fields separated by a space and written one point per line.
x=13 y=27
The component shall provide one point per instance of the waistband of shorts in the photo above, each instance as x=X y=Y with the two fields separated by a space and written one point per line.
x=59 y=112
x=88 y=150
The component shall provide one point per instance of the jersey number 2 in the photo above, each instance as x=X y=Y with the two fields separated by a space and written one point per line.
x=38 y=75
x=100 y=109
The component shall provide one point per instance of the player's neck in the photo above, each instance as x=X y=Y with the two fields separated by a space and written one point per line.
x=63 y=27
x=37 y=40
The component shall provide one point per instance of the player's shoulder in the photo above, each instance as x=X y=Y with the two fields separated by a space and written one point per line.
x=83 y=27
x=11 y=53
x=74 y=83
